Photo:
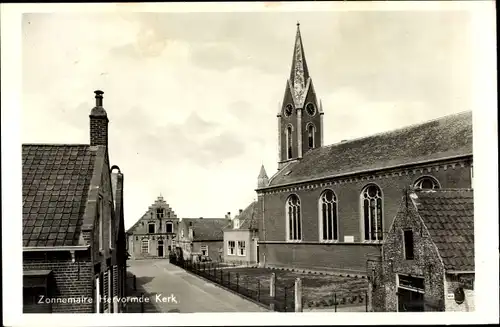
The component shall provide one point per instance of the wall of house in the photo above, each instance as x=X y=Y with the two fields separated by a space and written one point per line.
x=426 y=263
x=238 y=235
x=451 y=283
x=72 y=280
x=214 y=248
x=347 y=190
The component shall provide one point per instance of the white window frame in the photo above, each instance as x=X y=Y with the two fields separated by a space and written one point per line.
x=142 y=245
x=204 y=248
x=362 y=211
x=239 y=247
x=229 y=248
x=418 y=183
x=236 y=223
x=322 y=198
x=289 y=228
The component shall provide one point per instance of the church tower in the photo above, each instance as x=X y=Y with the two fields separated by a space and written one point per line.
x=300 y=118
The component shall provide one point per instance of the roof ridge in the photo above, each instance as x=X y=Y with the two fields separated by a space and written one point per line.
x=397 y=129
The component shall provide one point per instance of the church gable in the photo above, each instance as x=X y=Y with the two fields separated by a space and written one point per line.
x=158 y=214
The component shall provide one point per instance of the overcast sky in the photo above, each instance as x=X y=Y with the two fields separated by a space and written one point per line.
x=192 y=97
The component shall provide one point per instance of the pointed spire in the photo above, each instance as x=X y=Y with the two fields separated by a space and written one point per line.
x=263 y=180
x=299 y=73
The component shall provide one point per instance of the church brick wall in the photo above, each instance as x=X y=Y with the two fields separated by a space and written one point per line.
x=349 y=215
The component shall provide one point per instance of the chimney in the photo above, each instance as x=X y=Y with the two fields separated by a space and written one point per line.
x=228 y=215
x=98 y=122
x=241 y=210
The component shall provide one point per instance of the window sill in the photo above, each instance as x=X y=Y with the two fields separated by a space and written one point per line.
x=373 y=242
x=329 y=241
x=294 y=241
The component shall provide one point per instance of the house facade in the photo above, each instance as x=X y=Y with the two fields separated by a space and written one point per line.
x=241 y=237
x=338 y=201
x=72 y=225
x=203 y=238
x=427 y=259
x=155 y=234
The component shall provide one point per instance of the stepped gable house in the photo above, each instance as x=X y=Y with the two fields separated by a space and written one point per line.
x=241 y=237
x=203 y=237
x=72 y=224
x=338 y=201
x=427 y=261
x=154 y=235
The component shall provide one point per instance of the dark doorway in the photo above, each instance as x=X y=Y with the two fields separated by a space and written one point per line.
x=410 y=301
x=160 y=248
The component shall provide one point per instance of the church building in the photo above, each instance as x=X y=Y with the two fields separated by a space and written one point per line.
x=330 y=207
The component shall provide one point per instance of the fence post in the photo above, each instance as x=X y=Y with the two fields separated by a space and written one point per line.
x=272 y=285
x=258 y=290
x=221 y=277
x=366 y=301
x=237 y=282
x=142 y=302
x=229 y=279
x=285 y=299
x=335 y=301
x=135 y=283
x=298 y=295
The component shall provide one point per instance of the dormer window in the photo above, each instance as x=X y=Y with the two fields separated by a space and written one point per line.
x=427 y=183
x=236 y=223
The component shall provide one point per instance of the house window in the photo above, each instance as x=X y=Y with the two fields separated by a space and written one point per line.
x=371 y=198
x=241 y=248
x=169 y=227
x=204 y=250
x=328 y=216
x=427 y=182
x=100 y=218
x=137 y=238
x=293 y=218
x=159 y=213
x=310 y=133
x=236 y=223
x=151 y=228
x=145 y=246
x=408 y=244
x=289 y=142
x=230 y=247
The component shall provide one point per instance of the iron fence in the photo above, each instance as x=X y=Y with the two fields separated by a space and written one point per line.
x=254 y=289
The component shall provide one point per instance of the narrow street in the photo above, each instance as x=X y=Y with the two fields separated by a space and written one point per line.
x=171 y=289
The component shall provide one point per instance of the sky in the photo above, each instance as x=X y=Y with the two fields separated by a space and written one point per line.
x=192 y=98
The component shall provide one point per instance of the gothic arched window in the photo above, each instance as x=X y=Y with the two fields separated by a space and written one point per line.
x=310 y=133
x=371 y=201
x=289 y=142
x=293 y=218
x=328 y=216
x=427 y=182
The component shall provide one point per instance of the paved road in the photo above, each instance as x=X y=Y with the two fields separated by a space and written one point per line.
x=171 y=289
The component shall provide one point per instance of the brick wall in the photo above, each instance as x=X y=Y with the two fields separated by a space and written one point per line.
x=98 y=130
x=426 y=263
x=72 y=280
x=273 y=218
x=213 y=248
x=452 y=282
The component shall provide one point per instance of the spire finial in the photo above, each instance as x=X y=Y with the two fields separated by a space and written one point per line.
x=298 y=24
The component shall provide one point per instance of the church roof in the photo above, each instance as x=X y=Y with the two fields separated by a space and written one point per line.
x=448 y=215
x=442 y=138
x=55 y=183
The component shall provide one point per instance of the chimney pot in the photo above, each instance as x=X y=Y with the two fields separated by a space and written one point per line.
x=241 y=210
x=98 y=98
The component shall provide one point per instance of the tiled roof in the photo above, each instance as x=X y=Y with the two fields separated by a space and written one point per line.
x=56 y=179
x=449 y=218
x=207 y=228
x=445 y=137
x=248 y=219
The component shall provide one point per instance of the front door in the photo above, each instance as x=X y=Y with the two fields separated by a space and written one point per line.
x=410 y=301
x=160 y=248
